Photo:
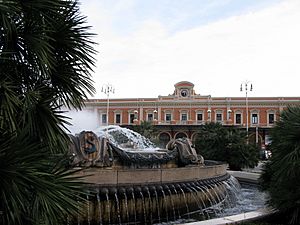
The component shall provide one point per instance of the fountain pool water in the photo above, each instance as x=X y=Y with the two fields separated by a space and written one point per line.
x=131 y=181
x=250 y=198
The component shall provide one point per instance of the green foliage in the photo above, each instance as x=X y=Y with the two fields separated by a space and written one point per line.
x=46 y=57
x=281 y=173
x=36 y=187
x=45 y=62
x=226 y=144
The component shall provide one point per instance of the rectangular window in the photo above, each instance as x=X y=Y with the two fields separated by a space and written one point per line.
x=199 y=117
x=238 y=118
x=118 y=118
x=131 y=117
x=271 y=118
x=168 y=117
x=150 y=117
x=104 y=118
x=219 y=117
x=183 y=117
x=254 y=118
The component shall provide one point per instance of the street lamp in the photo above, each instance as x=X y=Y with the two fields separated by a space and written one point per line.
x=209 y=107
x=135 y=120
x=107 y=89
x=229 y=111
x=245 y=85
x=209 y=115
x=155 y=116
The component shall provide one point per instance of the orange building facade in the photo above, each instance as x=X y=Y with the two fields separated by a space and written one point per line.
x=181 y=113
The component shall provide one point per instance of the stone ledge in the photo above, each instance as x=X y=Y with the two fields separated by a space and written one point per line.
x=245 y=176
x=235 y=219
x=117 y=177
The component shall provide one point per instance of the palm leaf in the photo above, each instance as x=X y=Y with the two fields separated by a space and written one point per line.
x=46 y=60
x=35 y=185
x=281 y=175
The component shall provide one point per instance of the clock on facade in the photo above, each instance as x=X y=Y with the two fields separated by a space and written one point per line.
x=184 y=93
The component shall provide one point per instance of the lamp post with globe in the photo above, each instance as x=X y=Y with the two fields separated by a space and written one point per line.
x=244 y=87
x=107 y=89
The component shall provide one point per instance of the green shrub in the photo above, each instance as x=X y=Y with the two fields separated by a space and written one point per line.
x=216 y=142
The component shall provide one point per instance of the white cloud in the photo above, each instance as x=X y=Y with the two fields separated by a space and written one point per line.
x=261 y=46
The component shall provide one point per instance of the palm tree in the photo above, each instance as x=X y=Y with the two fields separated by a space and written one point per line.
x=46 y=60
x=281 y=174
x=226 y=144
x=211 y=141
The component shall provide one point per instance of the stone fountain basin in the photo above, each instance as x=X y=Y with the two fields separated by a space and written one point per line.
x=111 y=176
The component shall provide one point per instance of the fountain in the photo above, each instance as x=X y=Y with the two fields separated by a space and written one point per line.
x=131 y=181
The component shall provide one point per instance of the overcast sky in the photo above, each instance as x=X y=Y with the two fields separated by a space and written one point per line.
x=146 y=46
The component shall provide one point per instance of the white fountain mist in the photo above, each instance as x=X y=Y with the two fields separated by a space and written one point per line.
x=81 y=120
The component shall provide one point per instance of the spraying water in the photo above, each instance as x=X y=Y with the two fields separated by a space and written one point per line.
x=126 y=139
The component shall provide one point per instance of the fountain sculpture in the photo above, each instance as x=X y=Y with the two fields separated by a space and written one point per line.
x=134 y=182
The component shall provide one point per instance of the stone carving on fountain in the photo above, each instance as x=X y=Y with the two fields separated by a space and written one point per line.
x=186 y=151
x=132 y=181
x=88 y=150
x=141 y=158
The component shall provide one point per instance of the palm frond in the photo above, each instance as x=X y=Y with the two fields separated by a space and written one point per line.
x=46 y=60
x=34 y=184
x=281 y=175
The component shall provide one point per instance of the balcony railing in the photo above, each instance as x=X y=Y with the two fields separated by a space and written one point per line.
x=227 y=123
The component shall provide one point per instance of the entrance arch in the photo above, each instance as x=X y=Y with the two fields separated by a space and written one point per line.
x=194 y=137
x=180 y=135
x=164 y=138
